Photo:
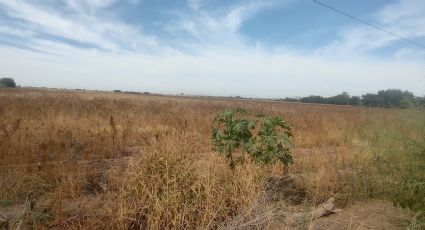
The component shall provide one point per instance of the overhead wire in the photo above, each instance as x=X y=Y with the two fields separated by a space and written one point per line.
x=371 y=25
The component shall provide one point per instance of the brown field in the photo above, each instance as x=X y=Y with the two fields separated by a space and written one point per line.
x=98 y=160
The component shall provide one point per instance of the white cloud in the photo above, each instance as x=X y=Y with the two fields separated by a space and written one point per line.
x=80 y=27
x=217 y=71
x=194 y=4
x=89 y=5
x=402 y=10
x=405 y=18
x=16 y=31
x=239 y=14
x=100 y=3
x=356 y=41
x=217 y=27
x=223 y=63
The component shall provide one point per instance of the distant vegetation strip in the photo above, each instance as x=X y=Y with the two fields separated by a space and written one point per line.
x=390 y=98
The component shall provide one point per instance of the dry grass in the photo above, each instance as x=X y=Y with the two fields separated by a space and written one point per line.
x=169 y=178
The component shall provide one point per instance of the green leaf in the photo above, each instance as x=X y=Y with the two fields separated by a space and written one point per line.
x=228 y=115
x=271 y=142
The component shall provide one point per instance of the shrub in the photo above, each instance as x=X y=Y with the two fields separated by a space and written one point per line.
x=232 y=132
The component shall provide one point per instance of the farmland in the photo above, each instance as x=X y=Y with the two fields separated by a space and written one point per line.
x=103 y=160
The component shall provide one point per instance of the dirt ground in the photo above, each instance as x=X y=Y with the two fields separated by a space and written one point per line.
x=371 y=215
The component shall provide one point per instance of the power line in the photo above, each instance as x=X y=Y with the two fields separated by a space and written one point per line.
x=371 y=25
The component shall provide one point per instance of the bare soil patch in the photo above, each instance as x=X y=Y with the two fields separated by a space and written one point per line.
x=369 y=215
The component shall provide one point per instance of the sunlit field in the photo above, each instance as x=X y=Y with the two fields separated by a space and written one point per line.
x=103 y=160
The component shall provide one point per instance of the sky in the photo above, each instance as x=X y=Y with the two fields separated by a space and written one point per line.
x=250 y=48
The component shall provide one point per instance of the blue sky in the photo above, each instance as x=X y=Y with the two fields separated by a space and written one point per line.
x=268 y=48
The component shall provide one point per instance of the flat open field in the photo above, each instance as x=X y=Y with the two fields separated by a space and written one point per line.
x=99 y=160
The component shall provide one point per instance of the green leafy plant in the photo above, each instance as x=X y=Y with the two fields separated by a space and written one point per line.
x=272 y=142
x=231 y=133
x=264 y=139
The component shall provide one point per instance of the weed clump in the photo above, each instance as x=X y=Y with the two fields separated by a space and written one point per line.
x=167 y=187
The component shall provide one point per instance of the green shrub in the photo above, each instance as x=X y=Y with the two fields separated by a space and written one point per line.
x=264 y=139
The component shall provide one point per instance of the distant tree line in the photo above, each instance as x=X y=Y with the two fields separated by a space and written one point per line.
x=390 y=98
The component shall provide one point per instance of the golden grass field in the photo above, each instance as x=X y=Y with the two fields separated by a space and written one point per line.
x=100 y=160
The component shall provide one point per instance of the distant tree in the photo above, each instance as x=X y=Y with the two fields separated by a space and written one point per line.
x=421 y=101
x=410 y=103
x=355 y=100
x=370 y=100
x=340 y=99
x=313 y=99
x=390 y=98
x=7 y=82
x=290 y=99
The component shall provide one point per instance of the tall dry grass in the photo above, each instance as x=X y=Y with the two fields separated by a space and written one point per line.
x=68 y=148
